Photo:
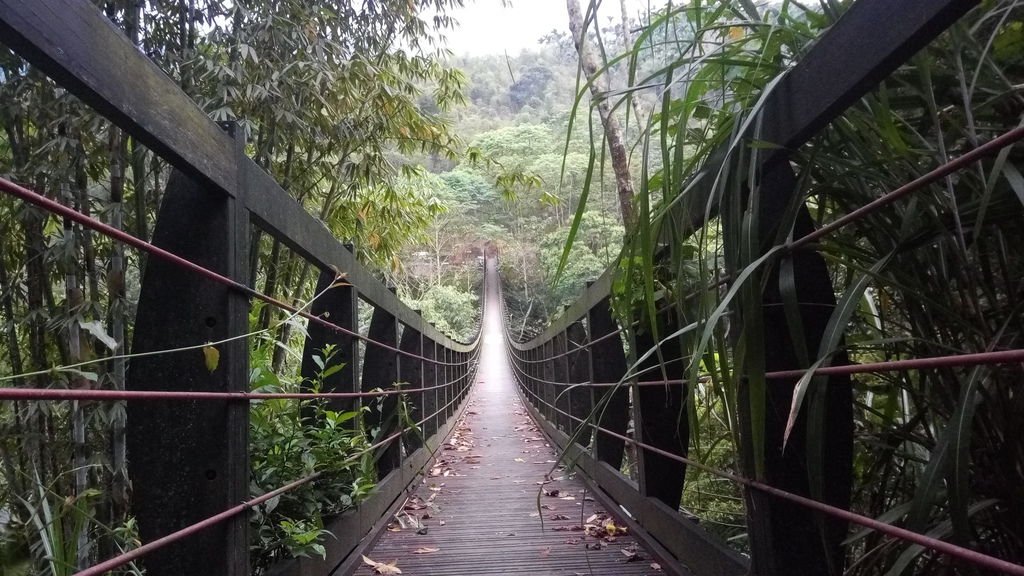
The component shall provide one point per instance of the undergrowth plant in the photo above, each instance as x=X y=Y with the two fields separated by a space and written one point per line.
x=291 y=439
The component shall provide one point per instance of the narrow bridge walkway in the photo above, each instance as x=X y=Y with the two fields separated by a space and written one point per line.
x=495 y=503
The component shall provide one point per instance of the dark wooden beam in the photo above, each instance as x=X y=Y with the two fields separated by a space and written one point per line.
x=410 y=370
x=579 y=401
x=871 y=40
x=659 y=413
x=786 y=538
x=340 y=305
x=380 y=370
x=189 y=460
x=608 y=365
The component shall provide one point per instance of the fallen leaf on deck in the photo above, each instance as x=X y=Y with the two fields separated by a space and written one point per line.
x=558 y=517
x=425 y=550
x=545 y=552
x=520 y=460
x=552 y=493
x=573 y=541
x=632 y=553
x=381 y=567
x=655 y=566
x=441 y=522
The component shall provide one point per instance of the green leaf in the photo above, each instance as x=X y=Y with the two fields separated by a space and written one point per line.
x=211 y=357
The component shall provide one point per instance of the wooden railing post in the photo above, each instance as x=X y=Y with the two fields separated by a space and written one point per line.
x=339 y=306
x=527 y=375
x=466 y=381
x=785 y=537
x=580 y=401
x=534 y=369
x=659 y=413
x=548 y=376
x=190 y=460
x=380 y=370
x=449 y=389
x=560 y=369
x=411 y=371
x=608 y=365
x=431 y=378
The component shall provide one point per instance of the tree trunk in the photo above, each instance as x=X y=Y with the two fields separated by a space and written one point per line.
x=627 y=46
x=116 y=293
x=72 y=300
x=612 y=130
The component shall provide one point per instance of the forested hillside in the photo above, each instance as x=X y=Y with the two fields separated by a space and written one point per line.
x=517 y=113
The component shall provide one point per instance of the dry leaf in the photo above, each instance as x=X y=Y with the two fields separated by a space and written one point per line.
x=381 y=567
x=655 y=566
x=425 y=550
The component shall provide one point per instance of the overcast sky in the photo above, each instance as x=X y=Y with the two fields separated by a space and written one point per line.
x=485 y=27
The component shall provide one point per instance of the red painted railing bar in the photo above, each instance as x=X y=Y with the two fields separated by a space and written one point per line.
x=960 y=552
x=59 y=209
x=173 y=537
x=952 y=361
x=986 y=149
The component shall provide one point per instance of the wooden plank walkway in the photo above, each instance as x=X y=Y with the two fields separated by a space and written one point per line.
x=479 y=510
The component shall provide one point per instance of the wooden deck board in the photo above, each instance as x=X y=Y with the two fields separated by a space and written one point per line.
x=481 y=503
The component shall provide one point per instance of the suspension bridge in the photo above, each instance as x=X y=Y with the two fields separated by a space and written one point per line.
x=522 y=462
